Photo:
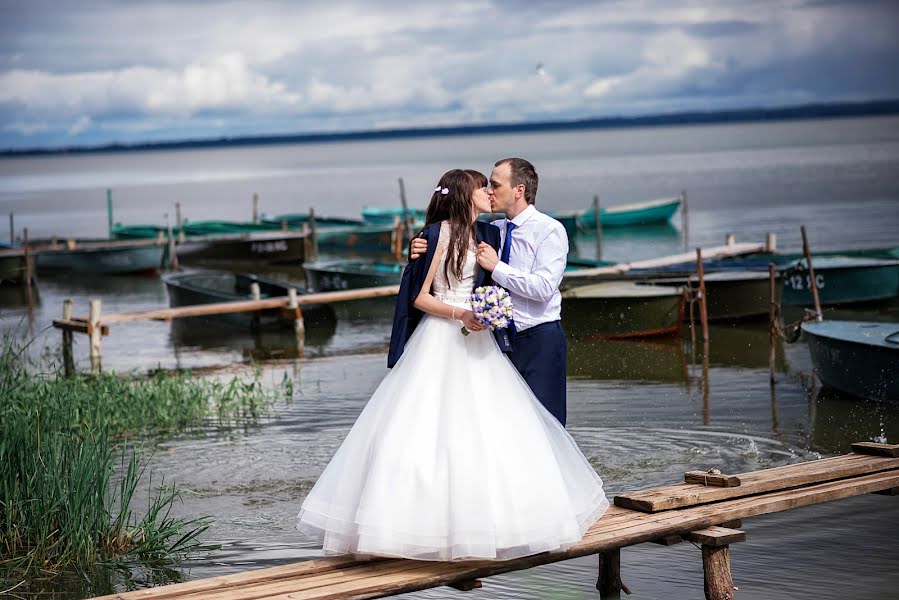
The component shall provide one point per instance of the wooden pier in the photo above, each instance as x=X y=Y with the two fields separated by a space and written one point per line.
x=706 y=512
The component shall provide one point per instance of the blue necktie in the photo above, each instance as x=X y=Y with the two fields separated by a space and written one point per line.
x=507 y=243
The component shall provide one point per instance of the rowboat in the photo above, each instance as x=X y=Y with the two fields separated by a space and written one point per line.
x=842 y=280
x=327 y=276
x=569 y=220
x=12 y=265
x=628 y=215
x=860 y=358
x=101 y=257
x=732 y=295
x=217 y=242
x=297 y=220
x=386 y=216
x=623 y=309
x=378 y=238
x=206 y=287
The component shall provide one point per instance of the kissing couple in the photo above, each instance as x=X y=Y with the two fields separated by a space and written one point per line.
x=461 y=453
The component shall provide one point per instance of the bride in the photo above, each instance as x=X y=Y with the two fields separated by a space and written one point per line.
x=453 y=457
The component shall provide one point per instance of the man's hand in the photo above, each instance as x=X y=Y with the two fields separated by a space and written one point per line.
x=471 y=323
x=487 y=257
x=419 y=247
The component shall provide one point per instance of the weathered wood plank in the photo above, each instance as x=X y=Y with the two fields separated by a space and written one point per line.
x=891 y=450
x=717 y=536
x=711 y=479
x=828 y=469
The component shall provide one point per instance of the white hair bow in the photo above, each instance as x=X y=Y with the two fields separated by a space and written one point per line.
x=443 y=191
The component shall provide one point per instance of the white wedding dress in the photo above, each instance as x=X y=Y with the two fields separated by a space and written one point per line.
x=453 y=457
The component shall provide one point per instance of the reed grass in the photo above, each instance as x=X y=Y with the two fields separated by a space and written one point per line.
x=72 y=457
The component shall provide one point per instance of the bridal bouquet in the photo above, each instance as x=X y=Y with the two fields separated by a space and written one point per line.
x=491 y=306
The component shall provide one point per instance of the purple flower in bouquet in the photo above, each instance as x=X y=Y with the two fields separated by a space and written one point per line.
x=491 y=306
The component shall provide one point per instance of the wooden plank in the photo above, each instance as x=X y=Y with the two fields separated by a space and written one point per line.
x=219 y=308
x=828 y=469
x=711 y=479
x=616 y=532
x=717 y=536
x=891 y=450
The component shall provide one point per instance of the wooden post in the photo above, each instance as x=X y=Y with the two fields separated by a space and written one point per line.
x=730 y=240
x=29 y=267
x=313 y=233
x=12 y=229
x=173 y=252
x=178 y=215
x=94 y=330
x=683 y=212
x=770 y=242
x=255 y=208
x=598 y=227
x=109 y=210
x=703 y=305
x=813 y=285
x=255 y=292
x=407 y=217
x=772 y=321
x=67 y=361
x=609 y=581
x=719 y=584
x=298 y=326
x=397 y=238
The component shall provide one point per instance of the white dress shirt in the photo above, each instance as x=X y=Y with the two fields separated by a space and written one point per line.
x=537 y=260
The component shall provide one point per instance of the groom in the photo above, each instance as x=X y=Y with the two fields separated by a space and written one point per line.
x=530 y=266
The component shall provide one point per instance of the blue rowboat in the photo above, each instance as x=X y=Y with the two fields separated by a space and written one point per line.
x=842 y=280
x=629 y=215
x=386 y=216
x=101 y=257
x=856 y=357
x=327 y=276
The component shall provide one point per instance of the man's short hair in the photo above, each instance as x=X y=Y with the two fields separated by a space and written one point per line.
x=522 y=172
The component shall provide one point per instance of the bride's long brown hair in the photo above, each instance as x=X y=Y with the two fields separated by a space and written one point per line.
x=455 y=207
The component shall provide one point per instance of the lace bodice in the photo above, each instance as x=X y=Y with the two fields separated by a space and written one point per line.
x=453 y=291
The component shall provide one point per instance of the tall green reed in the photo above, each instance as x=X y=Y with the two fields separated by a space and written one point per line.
x=69 y=472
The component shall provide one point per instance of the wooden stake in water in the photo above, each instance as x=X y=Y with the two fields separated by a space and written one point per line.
x=730 y=239
x=313 y=234
x=299 y=327
x=703 y=305
x=812 y=283
x=770 y=243
x=95 y=331
x=29 y=267
x=67 y=361
x=109 y=210
x=173 y=252
x=408 y=221
x=683 y=212
x=178 y=215
x=255 y=208
x=12 y=229
x=598 y=227
x=772 y=321
x=255 y=293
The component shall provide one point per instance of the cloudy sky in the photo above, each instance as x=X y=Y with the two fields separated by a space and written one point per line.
x=93 y=72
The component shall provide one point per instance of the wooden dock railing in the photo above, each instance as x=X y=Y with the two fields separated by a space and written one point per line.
x=96 y=324
x=706 y=513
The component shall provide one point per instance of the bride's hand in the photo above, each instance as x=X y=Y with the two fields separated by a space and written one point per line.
x=471 y=323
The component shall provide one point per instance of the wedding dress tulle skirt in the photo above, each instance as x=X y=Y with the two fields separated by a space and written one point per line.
x=453 y=458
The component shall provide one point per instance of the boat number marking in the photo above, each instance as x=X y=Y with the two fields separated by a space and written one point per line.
x=268 y=247
x=803 y=282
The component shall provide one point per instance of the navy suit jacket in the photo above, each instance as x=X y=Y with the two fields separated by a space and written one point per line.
x=406 y=317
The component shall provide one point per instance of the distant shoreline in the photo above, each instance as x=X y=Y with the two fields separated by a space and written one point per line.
x=743 y=115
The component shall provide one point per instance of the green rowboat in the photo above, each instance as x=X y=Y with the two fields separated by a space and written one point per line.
x=622 y=309
x=630 y=215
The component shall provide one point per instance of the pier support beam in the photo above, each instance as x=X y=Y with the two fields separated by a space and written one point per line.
x=609 y=581
x=719 y=584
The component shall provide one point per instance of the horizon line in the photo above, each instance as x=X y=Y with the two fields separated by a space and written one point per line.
x=868 y=108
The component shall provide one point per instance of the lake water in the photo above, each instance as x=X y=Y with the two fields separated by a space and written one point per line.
x=639 y=410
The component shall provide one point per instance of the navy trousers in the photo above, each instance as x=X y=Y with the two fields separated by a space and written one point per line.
x=539 y=354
